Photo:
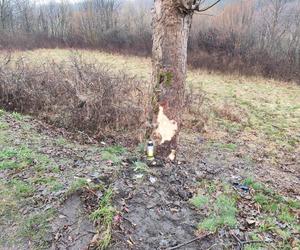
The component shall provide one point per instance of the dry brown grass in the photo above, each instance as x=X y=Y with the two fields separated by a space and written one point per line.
x=231 y=113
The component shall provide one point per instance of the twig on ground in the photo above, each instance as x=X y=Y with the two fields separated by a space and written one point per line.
x=134 y=225
x=91 y=191
x=238 y=240
x=80 y=236
x=91 y=232
x=189 y=242
x=217 y=244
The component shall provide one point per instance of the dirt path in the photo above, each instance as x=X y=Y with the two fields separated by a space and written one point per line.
x=155 y=208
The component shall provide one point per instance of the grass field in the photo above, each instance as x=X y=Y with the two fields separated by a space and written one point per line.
x=256 y=115
x=253 y=124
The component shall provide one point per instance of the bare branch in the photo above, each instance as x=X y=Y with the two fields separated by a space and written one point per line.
x=202 y=14
x=197 y=6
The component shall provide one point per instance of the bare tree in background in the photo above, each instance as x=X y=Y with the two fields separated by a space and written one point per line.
x=172 y=21
x=5 y=13
x=99 y=16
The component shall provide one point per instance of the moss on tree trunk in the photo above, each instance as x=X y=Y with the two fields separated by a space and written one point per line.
x=171 y=29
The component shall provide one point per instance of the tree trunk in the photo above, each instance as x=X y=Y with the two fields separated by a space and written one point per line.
x=171 y=29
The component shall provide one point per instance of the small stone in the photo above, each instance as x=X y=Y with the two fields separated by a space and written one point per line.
x=139 y=176
x=152 y=179
x=163 y=243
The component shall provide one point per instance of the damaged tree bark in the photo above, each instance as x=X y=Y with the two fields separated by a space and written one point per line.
x=169 y=54
x=171 y=27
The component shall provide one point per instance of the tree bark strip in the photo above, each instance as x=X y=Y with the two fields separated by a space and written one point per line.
x=171 y=29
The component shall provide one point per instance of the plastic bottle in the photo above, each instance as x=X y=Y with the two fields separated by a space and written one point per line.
x=150 y=150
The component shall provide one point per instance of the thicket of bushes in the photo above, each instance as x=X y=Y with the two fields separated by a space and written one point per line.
x=80 y=96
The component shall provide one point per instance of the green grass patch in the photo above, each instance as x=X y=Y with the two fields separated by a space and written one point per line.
x=105 y=215
x=255 y=246
x=140 y=149
x=226 y=146
x=113 y=154
x=12 y=158
x=261 y=199
x=140 y=167
x=3 y=125
x=21 y=188
x=55 y=169
x=219 y=204
x=222 y=214
x=209 y=186
x=36 y=227
x=17 y=116
x=199 y=201
x=21 y=157
x=276 y=210
x=8 y=202
x=293 y=203
x=50 y=182
x=117 y=149
x=286 y=216
x=268 y=224
x=107 y=156
x=277 y=215
x=61 y=141
x=55 y=186
x=77 y=185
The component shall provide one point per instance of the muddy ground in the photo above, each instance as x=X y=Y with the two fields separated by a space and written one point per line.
x=153 y=208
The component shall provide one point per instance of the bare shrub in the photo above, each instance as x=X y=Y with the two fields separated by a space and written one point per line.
x=79 y=95
x=231 y=112
x=195 y=116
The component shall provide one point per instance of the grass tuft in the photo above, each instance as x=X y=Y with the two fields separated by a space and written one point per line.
x=105 y=215
x=199 y=201
x=108 y=156
x=140 y=167
x=113 y=153
x=77 y=185
x=17 y=116
x=36 y=227
x=222 y=215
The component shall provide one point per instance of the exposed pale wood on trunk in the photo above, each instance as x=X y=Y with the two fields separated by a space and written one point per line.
x=171 y=29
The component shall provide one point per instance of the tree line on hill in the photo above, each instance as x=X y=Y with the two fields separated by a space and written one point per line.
x=249 y=37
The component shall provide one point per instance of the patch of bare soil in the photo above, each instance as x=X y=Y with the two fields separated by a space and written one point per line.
x=72 y=229
x=155 y=212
